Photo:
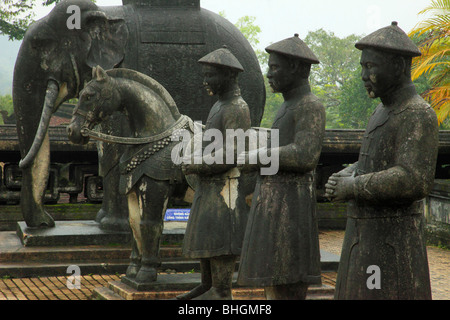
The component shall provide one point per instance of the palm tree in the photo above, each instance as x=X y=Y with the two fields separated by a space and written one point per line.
x=434 y=43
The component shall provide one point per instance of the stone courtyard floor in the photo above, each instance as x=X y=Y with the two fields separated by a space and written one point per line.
x=55 y=288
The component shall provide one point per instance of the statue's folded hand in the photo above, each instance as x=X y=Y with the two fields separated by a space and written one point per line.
x=339 y=188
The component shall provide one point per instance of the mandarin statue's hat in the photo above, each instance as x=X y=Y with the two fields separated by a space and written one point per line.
x=294 y=47
x=222 y=57
x=390 y=39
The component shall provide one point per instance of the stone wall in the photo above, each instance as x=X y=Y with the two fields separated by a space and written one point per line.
x=437 y=214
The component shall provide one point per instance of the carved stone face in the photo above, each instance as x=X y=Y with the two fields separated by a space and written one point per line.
x=280 y=74
x=379 y=72
x=213 y=79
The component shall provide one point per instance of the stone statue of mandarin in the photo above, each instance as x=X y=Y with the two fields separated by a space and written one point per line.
x=281 y=245
x=394 y=172
x=219 y=212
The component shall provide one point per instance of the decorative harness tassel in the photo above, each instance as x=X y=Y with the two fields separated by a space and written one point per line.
x=181 y=123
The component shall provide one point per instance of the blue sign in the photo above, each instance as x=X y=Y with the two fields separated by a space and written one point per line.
x=177 y=215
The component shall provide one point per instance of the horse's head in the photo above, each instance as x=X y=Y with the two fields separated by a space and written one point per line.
x=97 y=101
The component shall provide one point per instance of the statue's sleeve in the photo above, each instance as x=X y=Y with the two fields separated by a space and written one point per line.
x=411 y=177
x=236 y=117
x=302 y=155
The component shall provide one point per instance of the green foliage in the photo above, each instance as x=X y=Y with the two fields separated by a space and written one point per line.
x=338 y=57
x=273 y=102
x=432 y=38
x=248 y=28
x=251 y=32
x=336 y=80
x=6 y=104
x=355 y=107
x=17 y=15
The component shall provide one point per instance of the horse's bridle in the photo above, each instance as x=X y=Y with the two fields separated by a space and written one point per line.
x=89 y=120
x=89 y=117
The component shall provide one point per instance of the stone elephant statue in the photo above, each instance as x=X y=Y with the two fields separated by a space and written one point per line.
x=154 y=37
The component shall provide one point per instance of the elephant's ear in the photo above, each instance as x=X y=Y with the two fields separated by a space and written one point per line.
x=108 y=40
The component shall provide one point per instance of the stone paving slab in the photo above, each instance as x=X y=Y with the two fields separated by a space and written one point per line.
x=19 y=260
x=55 y=288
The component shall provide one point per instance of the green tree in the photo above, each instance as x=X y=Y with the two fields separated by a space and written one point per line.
x=335 y=81
x=337 y=71
x=251 y=32
x=338 y=57
x=6 y=106
x=273 y=103
x=248 y=28
x=355 y=106
x=17 y=15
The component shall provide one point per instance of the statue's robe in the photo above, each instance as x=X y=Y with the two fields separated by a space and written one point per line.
x=395 y=171
x=281 y=244
x=219 y=211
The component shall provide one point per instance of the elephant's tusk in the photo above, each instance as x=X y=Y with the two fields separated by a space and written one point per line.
x=62 y=94
x=76 y=73
x=50 y=98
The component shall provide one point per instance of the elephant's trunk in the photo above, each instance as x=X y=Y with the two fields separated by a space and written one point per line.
x=51 y=99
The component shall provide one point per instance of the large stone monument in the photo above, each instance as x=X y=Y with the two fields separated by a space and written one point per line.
x=281 y=246
x=219 y=212
x=384 y=254
x=162 y=39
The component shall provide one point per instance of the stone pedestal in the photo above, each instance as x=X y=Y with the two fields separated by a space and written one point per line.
x=166 y=282
x=168 y=286
x=70 y=233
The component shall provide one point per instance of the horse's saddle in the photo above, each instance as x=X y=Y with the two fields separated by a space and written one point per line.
x=153 y=160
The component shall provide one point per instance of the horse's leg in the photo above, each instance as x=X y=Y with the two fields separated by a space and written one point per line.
x=135 y=261
x=153 y=199
x=135 y=220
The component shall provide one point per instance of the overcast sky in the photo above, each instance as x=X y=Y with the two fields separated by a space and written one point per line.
x=280 y=19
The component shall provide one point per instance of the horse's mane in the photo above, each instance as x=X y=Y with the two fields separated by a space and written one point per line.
x=147 y=82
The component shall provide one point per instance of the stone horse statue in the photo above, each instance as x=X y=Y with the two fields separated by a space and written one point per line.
x=149 y=177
